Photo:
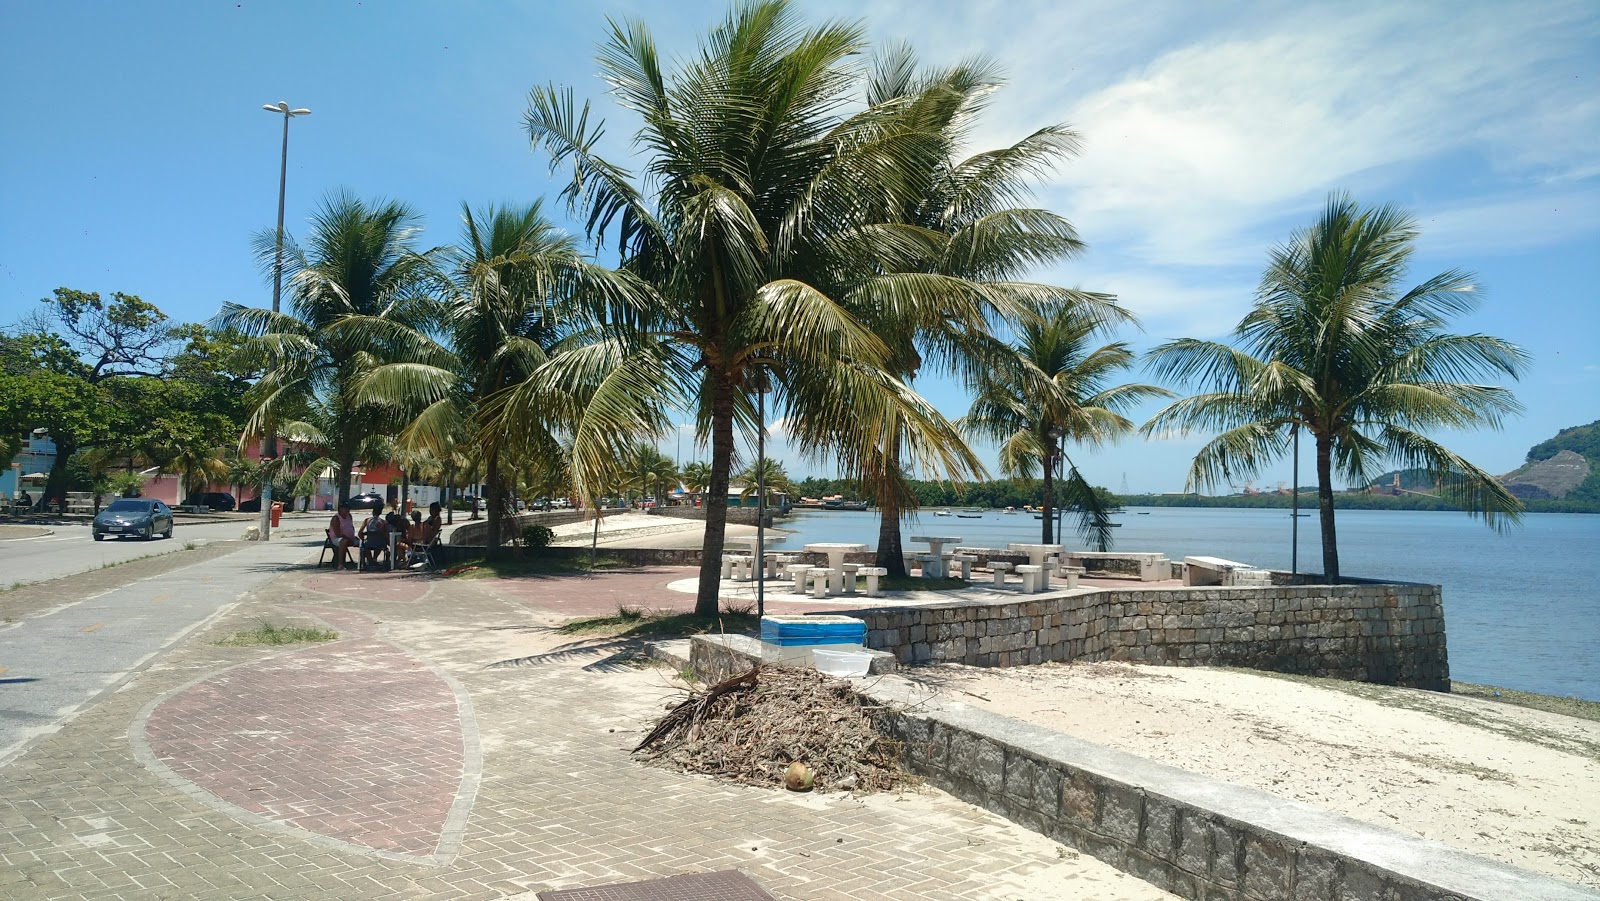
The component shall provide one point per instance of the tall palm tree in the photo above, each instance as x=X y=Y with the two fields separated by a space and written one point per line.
x=770 y=473
x=358 y=281
x=517 y=291
x=1336 y=346
x=1054 y=387
x=961 y=227
x=756 y=190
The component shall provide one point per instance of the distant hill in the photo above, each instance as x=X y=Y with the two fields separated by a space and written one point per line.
x=1564 y=468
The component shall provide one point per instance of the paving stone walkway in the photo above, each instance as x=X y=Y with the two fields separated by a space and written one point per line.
x=399 y=762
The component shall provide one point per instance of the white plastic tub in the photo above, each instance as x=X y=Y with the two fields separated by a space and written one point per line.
x=841 y=663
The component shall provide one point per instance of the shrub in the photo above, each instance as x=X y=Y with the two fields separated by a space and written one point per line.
x=536 y=536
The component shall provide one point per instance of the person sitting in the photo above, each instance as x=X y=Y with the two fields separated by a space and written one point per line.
x=342 y=532
x=374 y=538
x=396 y=521
x=435 y=524
x=417 y=538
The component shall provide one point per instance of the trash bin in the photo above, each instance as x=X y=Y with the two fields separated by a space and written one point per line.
x=277 y=514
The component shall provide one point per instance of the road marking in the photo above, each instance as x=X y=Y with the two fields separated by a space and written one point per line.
x=94 y=627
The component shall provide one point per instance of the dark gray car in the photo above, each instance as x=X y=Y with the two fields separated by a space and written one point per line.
x=130 y=517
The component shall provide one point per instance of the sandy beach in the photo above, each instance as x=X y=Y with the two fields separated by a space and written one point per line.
x=1517 y=785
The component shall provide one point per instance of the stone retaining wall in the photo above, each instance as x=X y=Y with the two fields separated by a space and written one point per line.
x=476 y=532
x=1193 y=836
x=745 y=516
x=1387 y=633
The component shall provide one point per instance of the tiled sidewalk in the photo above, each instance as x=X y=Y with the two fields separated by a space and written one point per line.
x=394 y=763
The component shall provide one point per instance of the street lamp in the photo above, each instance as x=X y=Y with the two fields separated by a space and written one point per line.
x=271 y=450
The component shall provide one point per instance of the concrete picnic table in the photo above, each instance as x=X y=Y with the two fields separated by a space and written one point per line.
x=1036 y=554
x=836 y=551
x=934 y=569
x=767 y=552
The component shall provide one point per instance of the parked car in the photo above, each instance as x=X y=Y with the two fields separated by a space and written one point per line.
x=130 y=517
x=216 y=500
x=368 y=501
x=252 y=505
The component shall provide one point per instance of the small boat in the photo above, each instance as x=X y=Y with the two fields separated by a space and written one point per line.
x=1141 y=512
x=969 y=515
x=942 y=513
x=1009 y=510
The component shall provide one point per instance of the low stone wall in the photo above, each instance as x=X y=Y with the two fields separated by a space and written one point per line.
x=1196 y=837
x=1387 y=633
x=744 y=516
x=476 y=532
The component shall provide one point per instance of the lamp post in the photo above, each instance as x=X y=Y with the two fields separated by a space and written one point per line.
x=761 y=499
x=1294 y=509
x=271 y=450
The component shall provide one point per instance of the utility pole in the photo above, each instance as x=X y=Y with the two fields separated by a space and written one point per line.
x=270 y=453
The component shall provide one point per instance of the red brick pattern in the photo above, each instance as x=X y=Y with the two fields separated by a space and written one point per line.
x=356 y=741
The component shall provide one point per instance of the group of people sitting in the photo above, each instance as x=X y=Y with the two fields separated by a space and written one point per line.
x=372 y=538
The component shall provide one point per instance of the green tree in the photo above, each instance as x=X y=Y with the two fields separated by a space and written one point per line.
x=1055 y=388
x=776 y=478
x=357 y=284
x=756 y=191
x=1335 y=346
x=697 y=475
x=520 y=295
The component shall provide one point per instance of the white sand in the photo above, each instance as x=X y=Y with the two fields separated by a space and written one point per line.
x=1516 y=785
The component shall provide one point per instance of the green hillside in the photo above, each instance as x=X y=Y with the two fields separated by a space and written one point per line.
x=1580 y=439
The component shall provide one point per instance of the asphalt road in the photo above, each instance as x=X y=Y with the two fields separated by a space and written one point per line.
x=72 y=550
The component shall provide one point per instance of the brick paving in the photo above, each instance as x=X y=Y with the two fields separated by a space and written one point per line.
x=329 y=731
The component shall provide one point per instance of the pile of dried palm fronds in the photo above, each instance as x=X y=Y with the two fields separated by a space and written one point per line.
x=752 y=727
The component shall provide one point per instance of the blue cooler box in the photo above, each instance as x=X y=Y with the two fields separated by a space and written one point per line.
x=804 y=631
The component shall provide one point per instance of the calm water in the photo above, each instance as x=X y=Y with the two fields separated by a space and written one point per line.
x=1522 y=609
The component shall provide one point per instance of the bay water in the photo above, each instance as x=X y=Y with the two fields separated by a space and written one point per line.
x=1522 y=607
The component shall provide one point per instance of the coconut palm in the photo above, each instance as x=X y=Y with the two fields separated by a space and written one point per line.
x=960 y=227
x=696 y=476
x=1336 y=346
x=756 y=192
x=768 y=472
x=516 y=294
x=356 y=282
x=1053 y=388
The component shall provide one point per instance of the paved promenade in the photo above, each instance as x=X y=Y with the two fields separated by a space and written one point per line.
x=451 y=744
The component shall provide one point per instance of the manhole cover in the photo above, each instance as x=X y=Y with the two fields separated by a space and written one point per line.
x=725 y=886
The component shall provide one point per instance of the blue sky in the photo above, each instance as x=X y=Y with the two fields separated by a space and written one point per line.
x=137 y=158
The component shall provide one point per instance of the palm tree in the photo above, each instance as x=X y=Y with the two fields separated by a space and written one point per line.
x=516 y=293
x=1336 y=347
x=959 y=227
x=1053 y=388
x=757 y=191
x=768 y=472
x=357 y=283
x=696 y=476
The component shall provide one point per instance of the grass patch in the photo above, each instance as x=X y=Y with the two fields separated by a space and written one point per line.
x=480 y=568
x=189 y=545
x=633 y=622
x=266 y=633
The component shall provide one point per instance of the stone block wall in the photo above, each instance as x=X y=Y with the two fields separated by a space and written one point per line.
x=1386 y=633
x=476 y=532
x=1195 y=837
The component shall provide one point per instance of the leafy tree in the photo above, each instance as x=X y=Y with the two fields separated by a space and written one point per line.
x=756 y=190
x=69 y=358
x=697 y=475
x=1053 y=389
x=776 y=478
x=1335 y=346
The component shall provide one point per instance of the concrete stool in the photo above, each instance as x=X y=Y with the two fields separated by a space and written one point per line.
x=1030 y=578
x=930 y=565
x=780 y=565
x=797 y=575
x=966 y=561
x=727 y=565
x=743 y=567
x=850 y=570
x=819 y=581
x=1071 y=574
x=911 y=561
x=1050 y=565
x=999 y=569
x=872 y=573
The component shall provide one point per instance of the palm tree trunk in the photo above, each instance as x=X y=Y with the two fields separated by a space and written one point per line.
x=891 y=553
x=707 y=595
x=56 y=485
x=1330 y=546
x=449 y=495
x=347 y=462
